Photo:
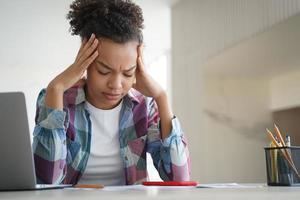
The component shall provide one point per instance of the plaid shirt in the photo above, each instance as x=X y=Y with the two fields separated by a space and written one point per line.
x=62 y=140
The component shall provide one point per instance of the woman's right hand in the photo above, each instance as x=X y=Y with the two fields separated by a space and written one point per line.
x=73 y=74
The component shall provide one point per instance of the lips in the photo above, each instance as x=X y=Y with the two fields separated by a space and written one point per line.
x=111 y=97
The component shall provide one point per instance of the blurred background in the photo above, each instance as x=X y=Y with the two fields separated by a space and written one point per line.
x=231 y=69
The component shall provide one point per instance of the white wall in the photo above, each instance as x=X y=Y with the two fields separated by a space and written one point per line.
x=224 y=116
x=285 y=90
x=35 y=46
x=235 y=114
x=157 y=31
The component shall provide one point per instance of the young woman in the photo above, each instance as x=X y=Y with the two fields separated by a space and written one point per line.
x=98 y=129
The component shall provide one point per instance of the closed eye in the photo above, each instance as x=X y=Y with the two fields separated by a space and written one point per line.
x=103 y=73
x=128 y=75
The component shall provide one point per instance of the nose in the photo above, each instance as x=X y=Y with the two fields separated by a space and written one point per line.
x=115 y=82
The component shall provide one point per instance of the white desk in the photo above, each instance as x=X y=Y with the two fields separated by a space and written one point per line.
x=157 y=193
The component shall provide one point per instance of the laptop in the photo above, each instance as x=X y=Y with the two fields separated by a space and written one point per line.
x=17 y=171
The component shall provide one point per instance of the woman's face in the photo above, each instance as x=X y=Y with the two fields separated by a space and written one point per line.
x=112 y=74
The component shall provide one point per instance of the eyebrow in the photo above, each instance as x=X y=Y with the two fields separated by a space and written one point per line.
x=109 y=68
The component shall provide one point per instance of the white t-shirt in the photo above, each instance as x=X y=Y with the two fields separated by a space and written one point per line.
x=104 y=164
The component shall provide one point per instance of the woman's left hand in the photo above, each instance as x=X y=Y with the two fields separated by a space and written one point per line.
x=145 y=84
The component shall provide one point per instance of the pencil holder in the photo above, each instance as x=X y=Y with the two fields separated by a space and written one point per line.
x=283 y=166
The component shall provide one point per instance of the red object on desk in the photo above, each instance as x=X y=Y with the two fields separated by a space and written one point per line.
x=170 y=183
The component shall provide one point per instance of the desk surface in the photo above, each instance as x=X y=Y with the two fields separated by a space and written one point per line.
x=153 y=192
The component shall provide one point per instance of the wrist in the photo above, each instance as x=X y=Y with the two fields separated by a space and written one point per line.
x=54 y=97
x=165 y=114
x=161 y=96
x=56 y=88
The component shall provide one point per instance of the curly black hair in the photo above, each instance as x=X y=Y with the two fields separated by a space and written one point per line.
x=118 y=20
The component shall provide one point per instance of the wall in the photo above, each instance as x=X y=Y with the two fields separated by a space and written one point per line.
x=35 y=46
x=224 y=117
x=234 y=116
x=288 y=121
x=285 y=90
x=285 y=103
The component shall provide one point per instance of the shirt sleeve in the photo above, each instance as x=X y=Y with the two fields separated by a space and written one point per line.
x=49 y=142
x=171 y=155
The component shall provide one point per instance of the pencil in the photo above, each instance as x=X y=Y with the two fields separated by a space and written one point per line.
x=273 y=158
x=284 y=152
x=279 y=135
x=283 y=143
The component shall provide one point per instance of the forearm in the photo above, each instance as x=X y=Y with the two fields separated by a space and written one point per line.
x=165 y=114
x=54 y=96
